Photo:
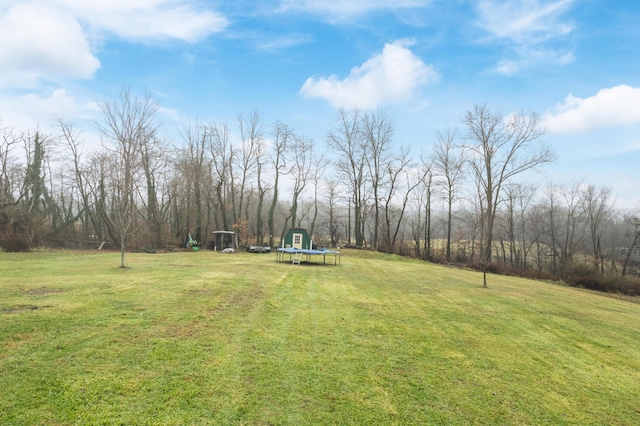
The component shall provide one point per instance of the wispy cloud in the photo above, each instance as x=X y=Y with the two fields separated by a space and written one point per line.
x=528 y=57
x=340 y=10
x=272 y=44
x=525 y=26
x=25 y=112
x=388 y=77
x=616 y=106
x=524 y=21
x=632 y=147
x=148 y=20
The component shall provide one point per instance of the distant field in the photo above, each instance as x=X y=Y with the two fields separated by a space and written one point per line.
x=194 y=338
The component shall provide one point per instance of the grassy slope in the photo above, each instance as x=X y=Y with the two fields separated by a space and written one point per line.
x=197 y=338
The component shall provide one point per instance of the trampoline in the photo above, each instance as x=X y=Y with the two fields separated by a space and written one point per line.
x=297 y=255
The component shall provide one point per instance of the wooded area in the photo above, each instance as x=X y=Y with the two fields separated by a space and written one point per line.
x=464 y=198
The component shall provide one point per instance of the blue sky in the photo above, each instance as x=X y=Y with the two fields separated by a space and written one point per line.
x=424 y=62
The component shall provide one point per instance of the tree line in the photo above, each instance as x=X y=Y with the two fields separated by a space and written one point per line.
x=463 y=198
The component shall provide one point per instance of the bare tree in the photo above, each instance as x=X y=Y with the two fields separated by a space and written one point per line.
x=302 y=159
x=318 y=167
x=500 y=148
x=127 y=122
x=37 y=146
x=39 y=212
x=345 y=139
x=333 y=221
x=8 y=143
x=222 y=153
x=263 y=187
x=597 y=205
x=557 y=222
x=281 y=137
x=518 y=198
x=194 y=164
x=246 y=161
x=550 y=225
x=634 y=223
x=448 y=164
x=23 y=197
x=152 y=158
x=415 y=220
x=427 y=189
x=378 y=136
x=568 y=237
x=471 y=218
x=394 y=216
x=91 y=217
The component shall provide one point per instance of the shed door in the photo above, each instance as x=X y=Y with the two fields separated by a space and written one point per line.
x=296 y=241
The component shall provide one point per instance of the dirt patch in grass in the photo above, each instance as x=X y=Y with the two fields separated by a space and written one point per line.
x=246 y=299
x=200 y=292
x=192 y=329
x=241 y=300
x=19 y=309
x=42 y=291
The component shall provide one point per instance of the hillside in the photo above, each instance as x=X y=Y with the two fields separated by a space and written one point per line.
x=208 y=338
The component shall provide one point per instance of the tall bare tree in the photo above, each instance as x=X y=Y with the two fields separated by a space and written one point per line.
x=153 y=162
x=333 y=220
x=194 y=164
x=378 y=137
x=8 y=143
x=518 y=199
x=22 y=190
x=346 y=140
x=263 y=187
x=91 y=219
x=128 y=122
x=222 y=153
x=634 y=223
x=396 y=170
x=500 y=148
x=425 y=190
x=282 y=135
x=302 y=152
x=37 y=147
x=251 y=135
x=597 y=205
x=566 y=224
x=448 y=163
x=319 y=165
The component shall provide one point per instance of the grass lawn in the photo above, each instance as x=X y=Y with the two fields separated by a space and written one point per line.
x=207 y=338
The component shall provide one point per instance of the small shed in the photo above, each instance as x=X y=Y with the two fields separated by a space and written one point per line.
x=224 y=240
x=297 y=238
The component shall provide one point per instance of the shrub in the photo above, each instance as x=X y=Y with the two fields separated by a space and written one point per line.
x=628 y=286
x=20 y=231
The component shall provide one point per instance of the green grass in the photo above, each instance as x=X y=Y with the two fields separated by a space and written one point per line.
x=207 y=338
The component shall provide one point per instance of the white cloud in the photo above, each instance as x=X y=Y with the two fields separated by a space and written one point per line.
x=526 y=25
x=388 y=77
x=42 y=42
x=28 y=111
x=57 y=39
x=339 y=10
x=528 y=58
x=524 y=21
x=616 y=106
x=148 y=19
x=274 y=44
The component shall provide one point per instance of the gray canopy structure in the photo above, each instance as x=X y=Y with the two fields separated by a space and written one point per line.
x=224 y=240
